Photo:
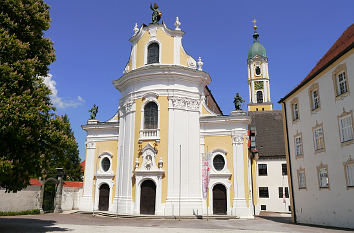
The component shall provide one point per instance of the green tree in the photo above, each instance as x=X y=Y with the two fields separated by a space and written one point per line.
x=27 y=120
x=62 y=150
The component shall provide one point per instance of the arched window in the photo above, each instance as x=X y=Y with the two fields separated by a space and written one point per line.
x=150 y=116
x=153 y=53
x=259 y=97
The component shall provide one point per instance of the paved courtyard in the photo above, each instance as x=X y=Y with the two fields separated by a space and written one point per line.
x=74 y=223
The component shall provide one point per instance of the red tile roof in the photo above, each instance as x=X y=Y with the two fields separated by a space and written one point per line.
x=82 y=164
x=342 y=45
x=73 y=184
x=34 y=182
x=66 y=183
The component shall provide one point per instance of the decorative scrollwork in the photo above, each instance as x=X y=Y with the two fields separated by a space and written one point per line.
x=185 y=103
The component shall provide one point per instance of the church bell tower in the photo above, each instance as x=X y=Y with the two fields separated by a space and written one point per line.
x=258 y=77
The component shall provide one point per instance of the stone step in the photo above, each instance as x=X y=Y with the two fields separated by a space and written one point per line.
x=112 y=215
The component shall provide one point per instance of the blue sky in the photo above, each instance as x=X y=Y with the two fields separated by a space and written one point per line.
x=91 y=39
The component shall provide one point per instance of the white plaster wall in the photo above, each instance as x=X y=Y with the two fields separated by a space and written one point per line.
x=273 y=181
x=333 y=206
x=71 y=198
x=27 y=199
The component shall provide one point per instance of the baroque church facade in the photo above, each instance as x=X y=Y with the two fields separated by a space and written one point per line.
x=152 y=156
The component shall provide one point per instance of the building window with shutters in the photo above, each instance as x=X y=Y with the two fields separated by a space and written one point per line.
x=285 y=193
x=263 y=192
x=340 y=81
x=323 y=180
x=298 y=145
x=314 y=98
x=318 y=138
x=301 y=178
x=153 y=53
x=345 y=124
x=349 y=173
x=295 y=109
x=284 y=169
x=262 y=169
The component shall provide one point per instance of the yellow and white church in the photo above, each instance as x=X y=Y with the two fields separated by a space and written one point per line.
x=149 y=158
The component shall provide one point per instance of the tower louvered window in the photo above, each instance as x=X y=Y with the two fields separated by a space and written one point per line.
x=153 y=53
x=259 y=97
x=150 y=116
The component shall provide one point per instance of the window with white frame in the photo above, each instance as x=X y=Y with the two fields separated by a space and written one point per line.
x=105 y=164
x=295 y=108
x=301 y=178
x=150 y=115
x=298 y=145
x=318 y=138
x=153 y=53
x=346 y=128
x=315 y=99
x=323 y=177
x=349 y=172
x=341 y=84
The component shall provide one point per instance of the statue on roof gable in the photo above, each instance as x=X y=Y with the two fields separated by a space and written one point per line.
x=156 y=14
x=93 y=111
x=238 y=101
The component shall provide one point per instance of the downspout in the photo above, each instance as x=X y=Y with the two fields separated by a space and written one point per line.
x=289 y=163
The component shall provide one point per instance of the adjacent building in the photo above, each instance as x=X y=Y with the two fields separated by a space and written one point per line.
x=319 y=138
x=271 y=190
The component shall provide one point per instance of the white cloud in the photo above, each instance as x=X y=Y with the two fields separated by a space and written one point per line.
x=58 y=101
x=79 y=98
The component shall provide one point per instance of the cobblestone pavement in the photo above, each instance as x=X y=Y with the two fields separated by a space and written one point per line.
x=74 y=223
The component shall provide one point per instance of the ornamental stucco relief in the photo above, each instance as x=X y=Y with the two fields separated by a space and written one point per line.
x=184 y=103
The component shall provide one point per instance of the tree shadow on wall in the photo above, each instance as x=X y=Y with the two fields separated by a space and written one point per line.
x=17 y=225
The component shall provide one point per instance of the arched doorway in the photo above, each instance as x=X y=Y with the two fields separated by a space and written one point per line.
x=147 y=197
x=103 y=202
x=219 y=199
x=49 y=195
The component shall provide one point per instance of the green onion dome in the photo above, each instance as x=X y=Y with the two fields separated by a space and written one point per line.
x=256 y=48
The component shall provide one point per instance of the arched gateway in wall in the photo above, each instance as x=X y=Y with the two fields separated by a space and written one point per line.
x=147 y=197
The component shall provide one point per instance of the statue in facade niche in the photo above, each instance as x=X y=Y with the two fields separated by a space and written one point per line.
x=238 y=101
x=156 y=14
x=93 y=111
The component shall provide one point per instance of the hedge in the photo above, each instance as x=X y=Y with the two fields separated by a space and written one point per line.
x=13 y=213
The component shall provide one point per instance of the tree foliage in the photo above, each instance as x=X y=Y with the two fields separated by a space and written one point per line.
x=26 y=114
x=62 y=150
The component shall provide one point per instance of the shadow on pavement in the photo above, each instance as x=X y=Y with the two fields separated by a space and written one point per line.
x=288 y=220
x=277 y=219
x=17 y=225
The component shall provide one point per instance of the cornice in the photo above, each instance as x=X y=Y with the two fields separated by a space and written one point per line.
x=100 y=125
x=149 y=72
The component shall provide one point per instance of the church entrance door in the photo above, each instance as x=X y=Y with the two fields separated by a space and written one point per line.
x=147 y=197
x=103 y=198
x=219 y=199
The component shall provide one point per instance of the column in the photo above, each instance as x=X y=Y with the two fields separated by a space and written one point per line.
x=240 y=207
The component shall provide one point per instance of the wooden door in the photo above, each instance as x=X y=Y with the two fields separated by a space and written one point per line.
x=219 y=199
x=147 y=197
x=103 y=198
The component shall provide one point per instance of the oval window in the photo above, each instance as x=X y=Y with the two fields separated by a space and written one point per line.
x=106 y=164
x=219 y=162
x=258 y=70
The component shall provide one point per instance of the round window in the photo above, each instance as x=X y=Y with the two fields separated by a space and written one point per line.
x=106 y=164
x=258 y=70
x=219 y=162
